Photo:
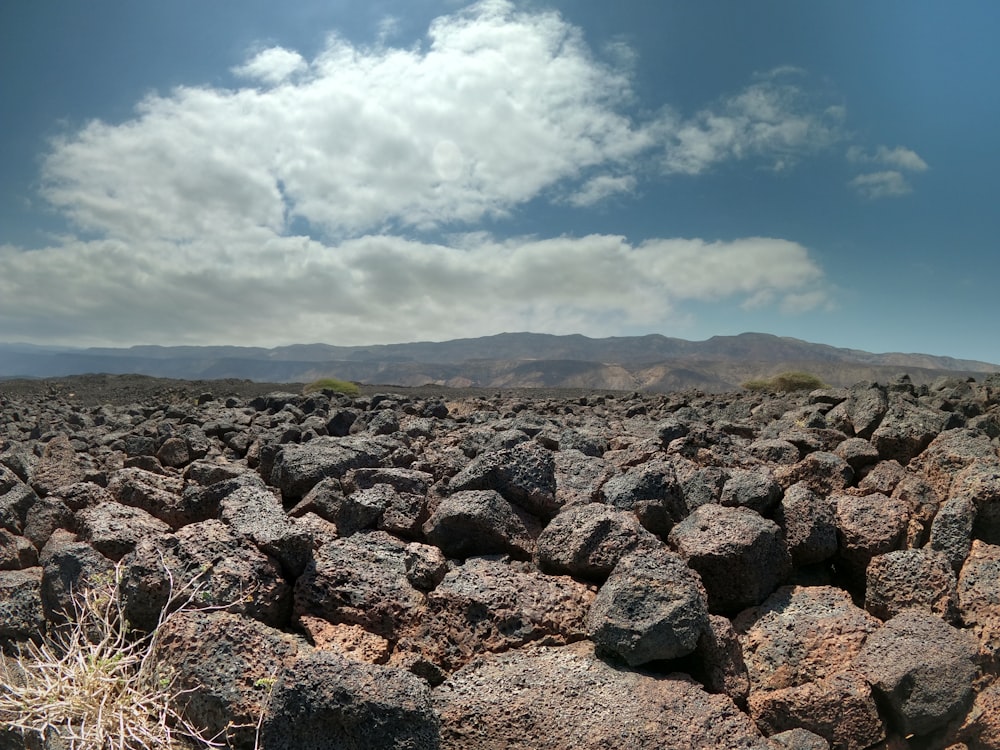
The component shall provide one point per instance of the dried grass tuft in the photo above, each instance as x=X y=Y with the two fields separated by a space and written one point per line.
x=93 y=681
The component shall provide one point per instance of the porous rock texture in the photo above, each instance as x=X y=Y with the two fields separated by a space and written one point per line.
x=425 y=568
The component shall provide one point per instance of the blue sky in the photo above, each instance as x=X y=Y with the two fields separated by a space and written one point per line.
x=248 y=172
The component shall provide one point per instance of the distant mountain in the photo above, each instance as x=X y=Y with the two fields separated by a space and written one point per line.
x=507 y=360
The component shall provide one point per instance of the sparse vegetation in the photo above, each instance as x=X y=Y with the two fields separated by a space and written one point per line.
x=786 y=382
x=332 y=384
x=93 y=682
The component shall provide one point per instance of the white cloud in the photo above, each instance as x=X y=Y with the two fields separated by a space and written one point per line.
x=272 y=66
x=260 y=288
x=888 y=184
x=899 y=157
x=601 y=187
x=512 y=102
x=189 y=205
x=772 y=120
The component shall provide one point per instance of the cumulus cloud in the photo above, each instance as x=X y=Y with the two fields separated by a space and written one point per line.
x=887 y=183
x=773 y=119
x=498 y=106
x=299 y=206
x=272 y=66
x=262 y=288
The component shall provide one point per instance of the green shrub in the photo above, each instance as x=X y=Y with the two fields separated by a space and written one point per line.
x=332 y=384
x=786 y=382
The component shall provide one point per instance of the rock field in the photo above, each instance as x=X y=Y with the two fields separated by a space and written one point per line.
x=424 y=568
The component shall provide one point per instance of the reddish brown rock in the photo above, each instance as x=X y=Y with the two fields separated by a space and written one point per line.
x=487 y=605
x=16 y=552
x=350 y=641
x=800 y=635
x=979 y=596
x=509 y=701
x=867 y=526
x=911 y=579
x=227 y=665
x=840 y=709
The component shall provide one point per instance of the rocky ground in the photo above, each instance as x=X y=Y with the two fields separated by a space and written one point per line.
x=426 y=568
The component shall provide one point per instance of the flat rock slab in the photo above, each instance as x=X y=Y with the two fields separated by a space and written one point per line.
x=566 y=699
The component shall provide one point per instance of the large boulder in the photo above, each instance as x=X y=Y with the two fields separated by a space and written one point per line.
x=922 y=668
x=226 y=667
x=799 y=647
x=868 y=525
x=297 y=468
x=114 y=529
x=566 y=699
x=489 y=605
x=911 y=579
x=326 y=702
x=524 y=474
x=587 y=541
x=652 y=608
x=740 y=556
x=361 y=580
x=256 y=514
x=481 y=522
x=21 y=615
x=809 y=524
x=57 y=467
x=212 y=564
x=979 y=595
x=652 y=492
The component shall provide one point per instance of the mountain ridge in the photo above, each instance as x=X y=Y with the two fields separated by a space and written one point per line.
x=520 y=359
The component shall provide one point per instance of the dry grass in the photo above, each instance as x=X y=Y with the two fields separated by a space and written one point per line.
x=94 y=682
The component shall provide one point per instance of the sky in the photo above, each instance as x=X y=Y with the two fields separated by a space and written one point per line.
x=261 y=173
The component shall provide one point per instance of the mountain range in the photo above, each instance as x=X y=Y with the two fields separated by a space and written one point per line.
x=506 y=360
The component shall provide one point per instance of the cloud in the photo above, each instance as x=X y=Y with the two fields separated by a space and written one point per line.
x=261 y=288
x=498 y=106
x=898 y=157
x=601 y=187
x=774 y=120
x=310 y=203
x=888 y=184
x=272 y=66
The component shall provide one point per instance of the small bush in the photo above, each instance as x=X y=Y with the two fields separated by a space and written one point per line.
x=93 y=682
x=332 y=384
x=786 y=382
